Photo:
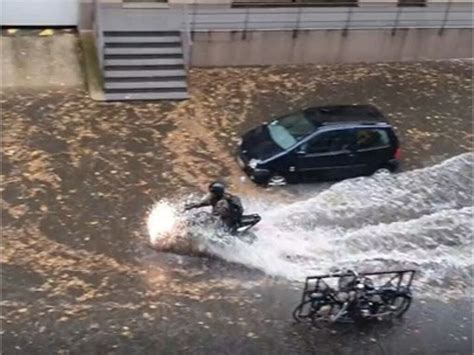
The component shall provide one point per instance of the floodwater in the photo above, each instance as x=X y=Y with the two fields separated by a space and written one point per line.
x=419 y=219
x=80 y=177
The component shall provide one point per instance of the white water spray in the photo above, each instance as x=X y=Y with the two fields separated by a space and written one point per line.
x=169 y=230
x=420 y=219
x=162 y=222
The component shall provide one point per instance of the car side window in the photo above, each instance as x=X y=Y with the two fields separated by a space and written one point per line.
x=371 y=138
x=329 y=142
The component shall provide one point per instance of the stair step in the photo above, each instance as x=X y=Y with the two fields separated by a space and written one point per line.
x=142 y=90
x=174 y=84
x=143 y=45
x=144 y=67
x=148 y=96
x=144 y=56
x=145 y=78
x=143 y=51
x=144 y=73
x=127 y=40
x=143 y=62
x=141 y=33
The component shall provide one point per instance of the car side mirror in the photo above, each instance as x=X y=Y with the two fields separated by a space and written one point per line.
x=301 y=151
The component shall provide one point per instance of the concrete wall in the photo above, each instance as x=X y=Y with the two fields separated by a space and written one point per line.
x=34 y=62
x=328 y=46
x=39 y=12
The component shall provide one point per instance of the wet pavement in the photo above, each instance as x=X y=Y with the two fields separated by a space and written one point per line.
x=79 y=177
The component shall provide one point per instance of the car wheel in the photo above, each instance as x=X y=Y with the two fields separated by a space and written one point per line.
x=383 y=171
x=277 y=180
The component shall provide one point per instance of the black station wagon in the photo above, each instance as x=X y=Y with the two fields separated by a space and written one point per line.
x=319 y=143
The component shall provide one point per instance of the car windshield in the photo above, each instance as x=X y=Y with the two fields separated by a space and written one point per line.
x=288 y=130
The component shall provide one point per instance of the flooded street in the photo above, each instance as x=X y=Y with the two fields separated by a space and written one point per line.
x=79 y=178
x=420 y=219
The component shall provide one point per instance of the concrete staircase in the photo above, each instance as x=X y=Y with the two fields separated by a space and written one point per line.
x=144 y=65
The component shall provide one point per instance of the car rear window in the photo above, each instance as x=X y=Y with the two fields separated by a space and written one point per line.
x=372 y=138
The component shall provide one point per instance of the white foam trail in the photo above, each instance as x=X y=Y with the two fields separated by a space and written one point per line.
x=419 y=219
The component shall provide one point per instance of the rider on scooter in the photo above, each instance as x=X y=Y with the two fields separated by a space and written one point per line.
x=228 y=207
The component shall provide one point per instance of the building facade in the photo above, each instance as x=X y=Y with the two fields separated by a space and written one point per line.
x=80 y=12
x=144 y=48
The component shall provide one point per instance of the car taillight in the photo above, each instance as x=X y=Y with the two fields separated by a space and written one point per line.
x=397 y=154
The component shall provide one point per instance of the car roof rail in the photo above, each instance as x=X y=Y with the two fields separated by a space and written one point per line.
x=353 y=123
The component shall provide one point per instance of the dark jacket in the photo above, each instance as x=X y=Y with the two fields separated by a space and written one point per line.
x=221 y=206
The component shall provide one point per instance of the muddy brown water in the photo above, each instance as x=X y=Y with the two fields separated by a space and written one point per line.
x=79 y=177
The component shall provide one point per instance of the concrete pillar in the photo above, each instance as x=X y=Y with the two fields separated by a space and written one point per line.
x=86 y=15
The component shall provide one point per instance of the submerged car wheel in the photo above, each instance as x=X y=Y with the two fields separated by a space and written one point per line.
x=383 y=171
x=276 y=180
x=386 y=169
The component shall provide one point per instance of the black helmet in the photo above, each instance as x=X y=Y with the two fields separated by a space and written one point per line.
x=217 y=188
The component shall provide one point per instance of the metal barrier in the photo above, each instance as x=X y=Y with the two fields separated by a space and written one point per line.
x=193 y=18
x=439 y=15
x=295 y=3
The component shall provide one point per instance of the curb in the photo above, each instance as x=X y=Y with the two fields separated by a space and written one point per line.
x=91 y=66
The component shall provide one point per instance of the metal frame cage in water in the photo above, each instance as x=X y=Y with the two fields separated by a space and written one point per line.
x=401 y=280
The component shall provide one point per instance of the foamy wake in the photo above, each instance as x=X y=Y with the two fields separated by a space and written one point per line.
x=420 y=219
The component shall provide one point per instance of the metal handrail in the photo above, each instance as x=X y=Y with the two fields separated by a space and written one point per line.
x=298 y=23
x=305 y=5
x=350 y=18
x=297 y=18
x=439 y=9
x=446 y=15
x=323 y=4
